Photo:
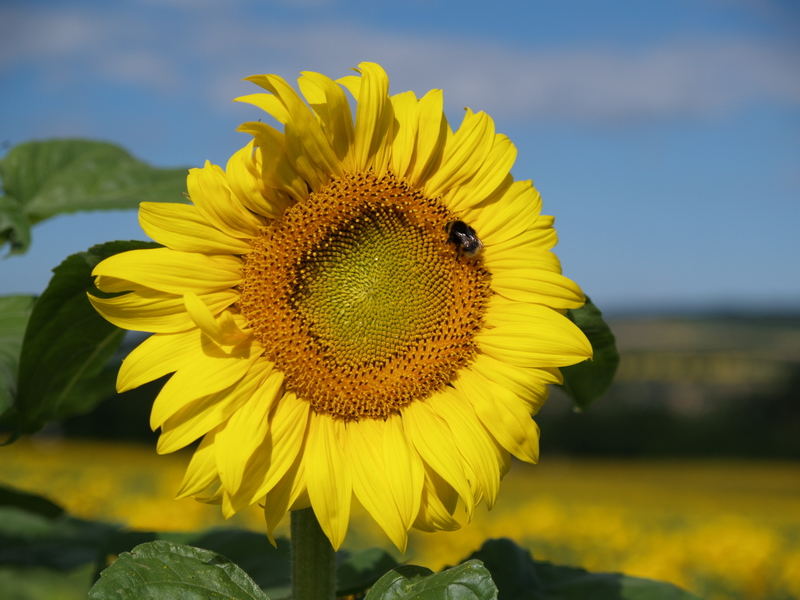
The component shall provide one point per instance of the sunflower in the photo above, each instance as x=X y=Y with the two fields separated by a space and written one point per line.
x=355 y=307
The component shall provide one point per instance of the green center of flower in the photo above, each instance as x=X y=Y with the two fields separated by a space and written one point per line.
x=372 y=288
x=357 y=296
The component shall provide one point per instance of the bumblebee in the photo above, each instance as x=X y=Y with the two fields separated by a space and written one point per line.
x=464 y=238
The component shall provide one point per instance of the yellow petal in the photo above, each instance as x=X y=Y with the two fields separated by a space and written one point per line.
x=210 y=193
x=287 y=436
x=239 y=440
x=529 y=335
x=224 y=330
x=463 y=154
x=352 y=83
x=405 y=109
x=404 y=469
x=330 y=103
x=277 y=172
x=244 y=174
x=158 y=355
x=503 y=414
x=488 y=177
x=371 y=483
x=173 y=271
x=520 y=257
x=269 y=103
x=202 y=469
x=328 y=477
x=201 y=416
x=284 y=495
x=205 y=374
x=309 y=149
x=373 y=118
x=437 y=505
x=474 y=443
x=145 y=309
x=183 y=227
x=527 y=383
x=512 y=210
x=435 y=444
x=531 y=284
x=431 y=136
x=536 y=239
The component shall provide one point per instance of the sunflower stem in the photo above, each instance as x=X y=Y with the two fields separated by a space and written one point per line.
x=313 y=559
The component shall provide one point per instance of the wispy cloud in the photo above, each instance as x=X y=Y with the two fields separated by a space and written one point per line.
x=674 y=78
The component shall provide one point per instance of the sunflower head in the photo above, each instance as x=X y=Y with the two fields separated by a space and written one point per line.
x=363 y=304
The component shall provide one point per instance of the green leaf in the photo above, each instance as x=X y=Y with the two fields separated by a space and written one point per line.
x=67 y=344
x=467 y=581
x=45 y=178
x=268 y=566
x=15 y=228
x=590 y=379
x=163 y=570
x=519 y=577
x=356 y=572
x=14 y=313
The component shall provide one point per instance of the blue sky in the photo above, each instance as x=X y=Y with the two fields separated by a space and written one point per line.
x=664 y=135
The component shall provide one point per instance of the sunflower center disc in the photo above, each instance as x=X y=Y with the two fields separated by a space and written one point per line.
x=359 y=299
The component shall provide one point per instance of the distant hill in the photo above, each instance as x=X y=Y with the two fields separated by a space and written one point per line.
x=693 y=383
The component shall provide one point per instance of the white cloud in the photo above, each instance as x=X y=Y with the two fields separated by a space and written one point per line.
x=674 y=78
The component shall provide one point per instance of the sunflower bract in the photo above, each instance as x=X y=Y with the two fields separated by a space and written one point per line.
x=327 y=340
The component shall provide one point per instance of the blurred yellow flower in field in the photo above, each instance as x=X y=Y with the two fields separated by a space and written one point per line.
x=360 y=306
x=722 y=530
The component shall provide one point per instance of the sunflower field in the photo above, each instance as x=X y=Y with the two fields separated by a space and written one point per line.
x=714 y=527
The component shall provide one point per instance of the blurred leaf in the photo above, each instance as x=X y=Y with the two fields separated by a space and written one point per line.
x=45 y=178
x=31 y=583
x=165 y=570
x=31 y=539
x=67 y=344
x=358 y=571
x=519 y=577
x=32 y=503
x=467 y=581
x=590 y=379
x=15 y=228
x=14 y=313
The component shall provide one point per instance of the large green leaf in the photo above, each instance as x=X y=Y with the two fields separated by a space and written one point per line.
x=67 y=345
x=14 y=313
x=590 y=379
x=45 y=178
x=519 y=577
x=163 y=570
x=467 y=581
x=268 y=566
